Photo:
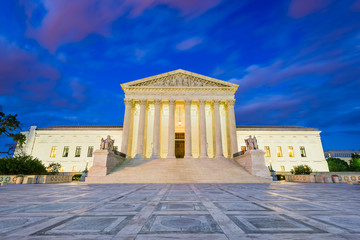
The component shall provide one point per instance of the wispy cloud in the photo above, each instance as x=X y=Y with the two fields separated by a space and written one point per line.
x=189 y=43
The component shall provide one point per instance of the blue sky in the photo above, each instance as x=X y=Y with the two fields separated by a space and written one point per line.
x=296 y=61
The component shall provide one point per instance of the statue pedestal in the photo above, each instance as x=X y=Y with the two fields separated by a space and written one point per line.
x=104 y=162
x=254 y=162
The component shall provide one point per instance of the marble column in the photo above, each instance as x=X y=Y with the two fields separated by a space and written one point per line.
x=171 y=138
x=218 y=139
x=203 y=145
x=188 y=150
x=126 y=126
x=232 y=124
x=141 y=129
x=156 y=135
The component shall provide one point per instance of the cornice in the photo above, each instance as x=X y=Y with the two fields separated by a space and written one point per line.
x=206 y=82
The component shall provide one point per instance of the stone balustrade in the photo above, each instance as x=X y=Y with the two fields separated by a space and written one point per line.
x=31 y=179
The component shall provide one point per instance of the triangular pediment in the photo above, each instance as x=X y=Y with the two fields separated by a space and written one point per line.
x=179 y=78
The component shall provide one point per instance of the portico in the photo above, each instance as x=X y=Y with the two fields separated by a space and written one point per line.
x=179 y=114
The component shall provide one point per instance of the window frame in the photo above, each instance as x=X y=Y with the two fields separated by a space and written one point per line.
x=78 y=149
x=302 y=151
x=279 y=150
x=291 y=151
x=92 y=151
x=267 y=151
x=53 y=151
x=67 y=152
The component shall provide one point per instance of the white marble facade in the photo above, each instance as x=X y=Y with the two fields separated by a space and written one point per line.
x=176 y=114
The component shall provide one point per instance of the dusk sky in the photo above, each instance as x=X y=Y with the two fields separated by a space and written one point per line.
x=297 y=61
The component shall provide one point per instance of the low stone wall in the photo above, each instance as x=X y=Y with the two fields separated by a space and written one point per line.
x=8 y=178
x=344 y=177
x=300 y=178
x=31 y=179
x=55 y=179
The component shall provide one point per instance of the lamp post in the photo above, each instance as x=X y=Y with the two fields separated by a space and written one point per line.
x=84 y=173
x=272 y=172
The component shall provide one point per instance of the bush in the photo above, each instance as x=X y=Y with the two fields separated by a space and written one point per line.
x=54 y=168
x=337 y=165
x=76 y=177
x=21 y=164
x=355 y=164
x=301 y=170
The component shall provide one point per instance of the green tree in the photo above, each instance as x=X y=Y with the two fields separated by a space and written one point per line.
x=337 y=165
x=301 y=170
x=355 y=155
x=21 y=164
x=10 y=127
x=355 y=162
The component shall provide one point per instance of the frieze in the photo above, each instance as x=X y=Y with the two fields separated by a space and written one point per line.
x=179 y=80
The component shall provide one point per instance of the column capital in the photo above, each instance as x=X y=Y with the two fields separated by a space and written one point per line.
x=157 y=102
x=202 y=101
x=216 y=102
x=231 y=102
x=188 y=101
x=172 y=101
x=128 y=101
x=143 y=101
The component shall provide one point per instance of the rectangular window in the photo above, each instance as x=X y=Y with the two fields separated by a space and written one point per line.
x=282 y=168
x=90 y=151
x=302 y=151
x=74 y=168
x=267 y=151
x=53 y=152
x=291 y=151
x=66 y=151
x=278 y=151
x=78 y=151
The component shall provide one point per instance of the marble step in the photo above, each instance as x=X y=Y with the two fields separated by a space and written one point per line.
x=195 y=170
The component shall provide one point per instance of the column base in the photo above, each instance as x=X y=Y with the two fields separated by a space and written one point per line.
x=187 y=157
x=155 y=156
x=202 y=157
x=171 y=157
x=139 y=156
x=220 y=157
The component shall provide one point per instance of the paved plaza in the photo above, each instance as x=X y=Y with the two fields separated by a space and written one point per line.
x=180 y=211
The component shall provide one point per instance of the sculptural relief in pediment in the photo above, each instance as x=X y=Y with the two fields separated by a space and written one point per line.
x=179 y=80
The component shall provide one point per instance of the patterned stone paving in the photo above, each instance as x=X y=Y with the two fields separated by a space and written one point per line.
x=180 y=211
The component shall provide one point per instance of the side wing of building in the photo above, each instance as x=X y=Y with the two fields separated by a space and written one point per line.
x=71 y=146
x=286 y=147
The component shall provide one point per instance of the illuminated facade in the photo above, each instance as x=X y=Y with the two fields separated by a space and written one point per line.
x=178 y=114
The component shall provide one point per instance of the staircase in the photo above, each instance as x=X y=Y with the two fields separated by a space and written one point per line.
x=178 y=170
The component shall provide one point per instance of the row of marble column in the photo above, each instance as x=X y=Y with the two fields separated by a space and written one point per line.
x=171 y=130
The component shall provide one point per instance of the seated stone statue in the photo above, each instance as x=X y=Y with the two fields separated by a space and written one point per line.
x=251 y=143
x=107 y=144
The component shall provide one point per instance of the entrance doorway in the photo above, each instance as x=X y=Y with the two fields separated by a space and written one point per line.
x=179 y=145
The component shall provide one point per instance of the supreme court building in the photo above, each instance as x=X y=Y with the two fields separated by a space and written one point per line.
x=178 y=114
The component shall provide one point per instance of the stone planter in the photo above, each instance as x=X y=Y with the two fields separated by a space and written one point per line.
x=19 y=180
x=319 y=179
x=335 y=179
x=327 y=179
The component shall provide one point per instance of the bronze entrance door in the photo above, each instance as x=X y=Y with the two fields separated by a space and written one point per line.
x=179 y=145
